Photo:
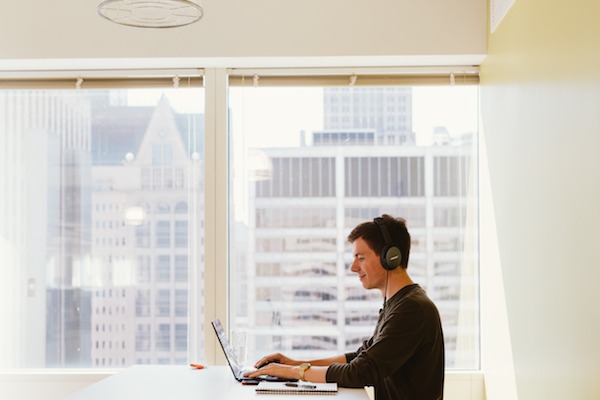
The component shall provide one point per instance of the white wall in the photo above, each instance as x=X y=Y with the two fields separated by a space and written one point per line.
x=260 y=32
x=541 y=118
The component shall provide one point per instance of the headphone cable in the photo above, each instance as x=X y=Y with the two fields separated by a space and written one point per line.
x=387 y=275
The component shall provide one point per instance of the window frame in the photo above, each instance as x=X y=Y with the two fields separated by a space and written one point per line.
x=214 y=298
x=216 y=83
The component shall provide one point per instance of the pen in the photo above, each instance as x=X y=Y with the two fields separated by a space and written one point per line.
x=302 y=386
x=197 y=366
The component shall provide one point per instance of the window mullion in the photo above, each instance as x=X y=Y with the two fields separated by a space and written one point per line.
x=215 y=213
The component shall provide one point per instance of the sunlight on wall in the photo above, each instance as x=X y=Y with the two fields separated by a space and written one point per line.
x=496 y=347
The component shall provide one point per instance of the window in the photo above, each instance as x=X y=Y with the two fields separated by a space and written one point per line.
x=142 y=235
x=384 y=176
x=181 y=234
x=163 y=233
x=163 y=340
x=142 y=339
x=181 y=334
x=181 y=268
x=92 y=183
x=162 y=154
x=103 y=216
x=298 y=177
x=163 y=268
x=163 y=303
x=142 y=303
x=306 y=175
x=143 y=269
x=181 y=302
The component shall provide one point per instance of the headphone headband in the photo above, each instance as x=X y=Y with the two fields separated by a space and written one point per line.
x=384 y=230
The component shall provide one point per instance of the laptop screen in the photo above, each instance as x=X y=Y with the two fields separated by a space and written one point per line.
x=233 y=362
x=227 y=348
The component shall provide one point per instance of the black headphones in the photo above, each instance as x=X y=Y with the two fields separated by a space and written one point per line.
x=390 y=255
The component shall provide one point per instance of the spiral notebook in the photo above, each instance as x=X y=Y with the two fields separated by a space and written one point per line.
x=296 y=388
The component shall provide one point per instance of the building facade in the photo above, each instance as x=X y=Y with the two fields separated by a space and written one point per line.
x=144 y=239
x=302 y=297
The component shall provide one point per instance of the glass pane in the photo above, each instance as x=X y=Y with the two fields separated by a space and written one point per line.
x=308 y=165
x=101 y=192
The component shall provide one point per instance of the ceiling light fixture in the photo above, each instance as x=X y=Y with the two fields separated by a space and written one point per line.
x=151 y=13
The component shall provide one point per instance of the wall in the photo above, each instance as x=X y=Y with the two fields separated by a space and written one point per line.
x=541 y=112
x=261 y=32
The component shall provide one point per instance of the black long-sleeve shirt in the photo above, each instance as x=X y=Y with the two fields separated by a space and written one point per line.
x=404 y=359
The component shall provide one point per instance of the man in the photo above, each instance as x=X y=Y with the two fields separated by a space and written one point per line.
x=404 y=359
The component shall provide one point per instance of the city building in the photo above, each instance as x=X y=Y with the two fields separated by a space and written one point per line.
x=385 y=110
x=302 y=298
x=51 y=190
x=146 y=179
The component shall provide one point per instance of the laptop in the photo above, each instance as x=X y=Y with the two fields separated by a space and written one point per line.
x=237 y=369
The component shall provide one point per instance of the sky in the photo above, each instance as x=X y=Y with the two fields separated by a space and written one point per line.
x=274 y=117
x=270 y=117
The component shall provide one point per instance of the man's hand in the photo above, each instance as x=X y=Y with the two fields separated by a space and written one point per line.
x=276 y=369
x=275 y=358
x=284 y=367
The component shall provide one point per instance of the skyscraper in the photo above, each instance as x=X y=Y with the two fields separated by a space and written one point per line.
x=385 y=111
x=147 y=179
x=302 y=298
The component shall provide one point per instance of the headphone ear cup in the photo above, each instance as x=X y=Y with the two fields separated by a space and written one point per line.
x=391 y=257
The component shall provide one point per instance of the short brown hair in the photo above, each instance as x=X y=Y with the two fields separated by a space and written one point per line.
x=370 y=232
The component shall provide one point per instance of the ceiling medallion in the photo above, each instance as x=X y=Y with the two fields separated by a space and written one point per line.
x=151 y=13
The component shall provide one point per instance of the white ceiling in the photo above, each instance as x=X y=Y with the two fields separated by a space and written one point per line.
x=69 y=34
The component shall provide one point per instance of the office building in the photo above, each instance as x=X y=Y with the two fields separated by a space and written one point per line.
x=385 y=110
x=304 y=298
x=146 y=177
x=52 y=187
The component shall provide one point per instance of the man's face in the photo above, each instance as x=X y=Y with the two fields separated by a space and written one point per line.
x=367 y=265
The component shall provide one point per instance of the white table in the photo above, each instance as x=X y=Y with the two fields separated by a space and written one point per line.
x=162 y=382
